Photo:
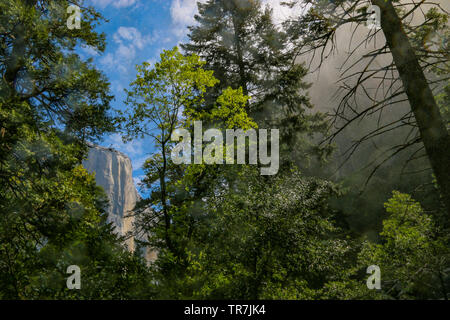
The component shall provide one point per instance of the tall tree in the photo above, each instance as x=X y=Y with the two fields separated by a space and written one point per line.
x=163 y=100
x=275 y=240
x=51 y=101
x=242 y=45
x=158 y=98
x=414 y=252
x=316 y=31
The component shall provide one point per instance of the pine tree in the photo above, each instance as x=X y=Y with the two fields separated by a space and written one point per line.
x=51 y=102
x=241 y=44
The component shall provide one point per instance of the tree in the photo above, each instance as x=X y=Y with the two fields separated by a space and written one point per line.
x=316 y=31
x=413 y=252
x=51 y=102
x=241 y=44
x=159 y=96
x=165 y=99
x=255 y=246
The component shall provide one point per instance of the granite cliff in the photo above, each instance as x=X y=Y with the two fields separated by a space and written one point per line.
x=114 y=172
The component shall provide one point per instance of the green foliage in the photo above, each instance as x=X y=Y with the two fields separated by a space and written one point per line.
x=257 y=247
x=53 y=214
x=242 y=45
x=163 y=99
x=413 y=254
x=228 y=112
x=221 y=232
x=160 y=94
x=53 y=217
x=217 y=232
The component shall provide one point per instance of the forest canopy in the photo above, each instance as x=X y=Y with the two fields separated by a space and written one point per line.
x=361 y=180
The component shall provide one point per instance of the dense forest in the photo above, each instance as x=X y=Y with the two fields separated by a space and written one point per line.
x=361 y=185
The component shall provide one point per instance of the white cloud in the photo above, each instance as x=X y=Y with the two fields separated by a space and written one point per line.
x=183 y=12
x=132 y=35
x=125 y=53
x=282 y=13
x=89 y=50
x=115 y=3
x=117 y=86
x=152 y=62
x=132 y=149
x=129 y=40
x=123 y=3
x=107 y=60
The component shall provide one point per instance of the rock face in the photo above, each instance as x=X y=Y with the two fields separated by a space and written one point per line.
x=114 y=172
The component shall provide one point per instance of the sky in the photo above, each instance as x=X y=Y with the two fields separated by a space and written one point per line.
x=138 y=31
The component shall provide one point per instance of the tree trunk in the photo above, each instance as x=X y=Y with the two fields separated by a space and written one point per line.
x=240 y=57
x=432 y=129
x=162 y=180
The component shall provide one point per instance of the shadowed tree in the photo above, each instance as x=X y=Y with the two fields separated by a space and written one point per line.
x=403 y=76
x=52 y=212
x=240 y=42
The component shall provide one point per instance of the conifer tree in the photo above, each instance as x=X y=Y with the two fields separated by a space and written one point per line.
x=240 y=42
x=52 y=212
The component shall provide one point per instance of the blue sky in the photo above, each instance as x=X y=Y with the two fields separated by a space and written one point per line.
x=138 y=31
